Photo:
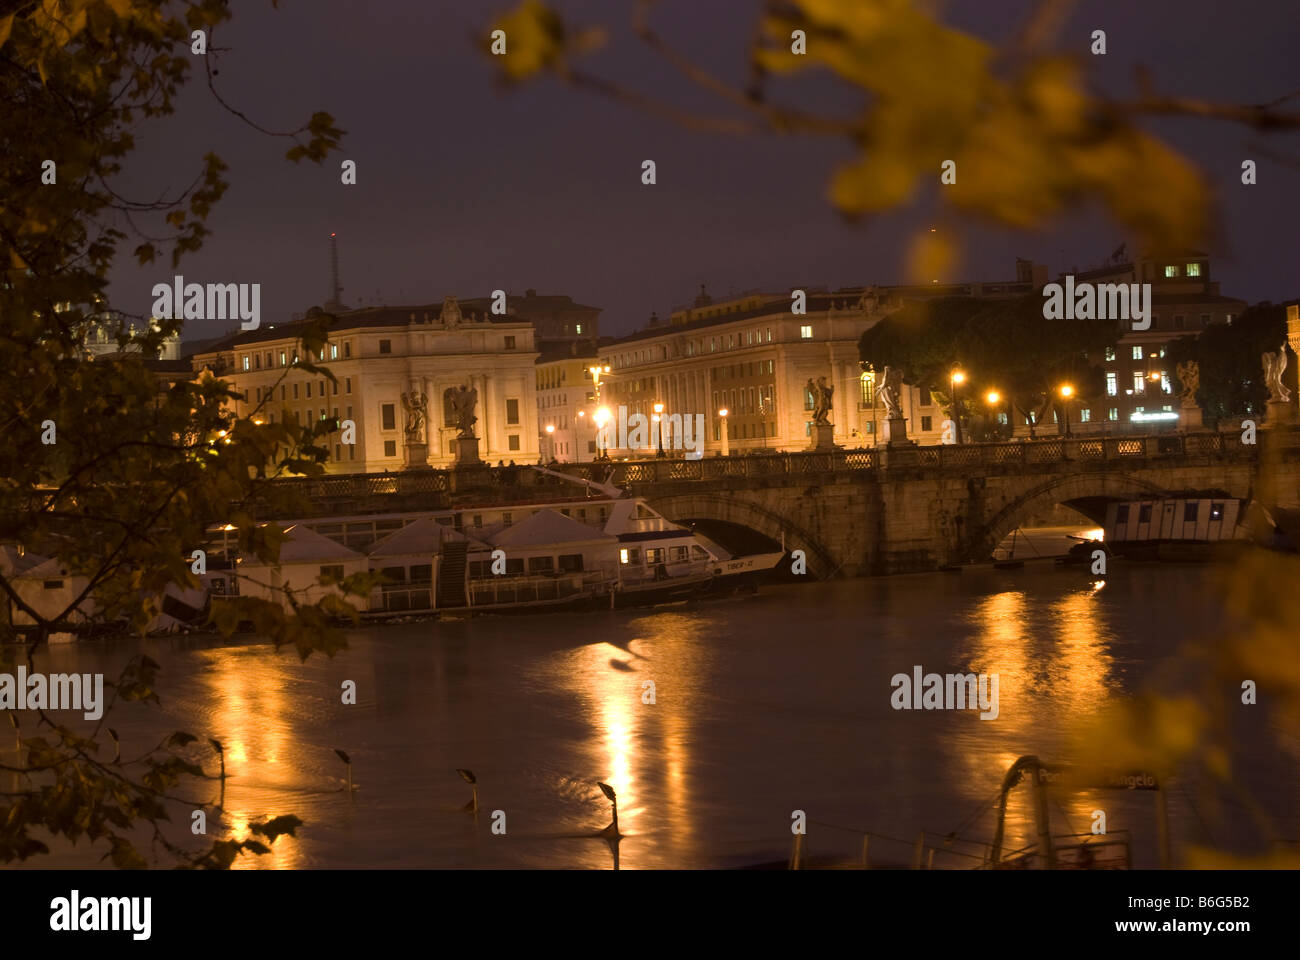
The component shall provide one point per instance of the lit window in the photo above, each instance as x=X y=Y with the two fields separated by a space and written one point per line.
x=1193 y=269
x=334 y=351
x=1137 y=353
x=1172 y=270
x=247 y=362
x=805 y=331
x=1112 y=384
x=1139 y=383
x=1110 y=353
x=1113 y=413
x=1085 y=416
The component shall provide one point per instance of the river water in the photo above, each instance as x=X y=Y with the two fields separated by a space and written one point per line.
x=762 y=706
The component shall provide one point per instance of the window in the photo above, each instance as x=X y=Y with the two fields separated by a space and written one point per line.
x=805 y=331
x=282 y=358
x=1112 y=384
x=334 y=351
x=336 y=388
x=247 y=363
x=347 y=349
x=332 y=572
x=570 y=563
x=808 y=402
x=925 y=423
x=1113 y=413
x=512 y=441
x=1172 y=270
x=769 y=334
x=282 y=389
x=510 y=343
x=1121 y=513
x=541 y=564
x=295 y=391
x=388 y=416
x=713 y=344
x=655 y=555
x=1139 y=382
x=1137 y=353
x=1144 y=513
x=1110 y=353
x=385 y=346
x=1216 y=511
x=347 y=382
x=1179 y=322
x=578 y=330
x=308 y=389
x=512 y=411
x=1085 y=416
x=51 y=584
x=591 y=446
x=1189 y=511
x=1193 y=269
x=270 y=362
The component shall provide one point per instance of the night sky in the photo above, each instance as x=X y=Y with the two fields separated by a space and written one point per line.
x=464 y=188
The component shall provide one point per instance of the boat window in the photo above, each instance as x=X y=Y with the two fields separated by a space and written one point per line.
x=333 y=572
x=1121 y=513
x=698 y=552
x=541 y=564
x=51 y=584
x=479 y=569
x=478 y=519
x=570 y=563
x=515 y=568
x=654 y=555
x=1189 y=512
x=678 y=553
x=395 y=574
x=1144 y=513
x=1216 y=511
x=422 y=573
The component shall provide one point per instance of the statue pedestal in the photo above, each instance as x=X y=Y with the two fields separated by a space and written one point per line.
x=823 y=437
x=1280 y=413
x=417 y=456
x=1191 y=417
x=467 y=452
x=895 y=432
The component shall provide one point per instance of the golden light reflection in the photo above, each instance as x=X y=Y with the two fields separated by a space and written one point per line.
x=248 y=709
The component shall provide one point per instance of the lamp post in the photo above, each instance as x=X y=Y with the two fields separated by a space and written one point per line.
x=956 y=378
x=658 y=418
x=601 y=418
x=550 y=436
x=582 y=415
x=726 y=440
x=994 y=398
x=1067 y=392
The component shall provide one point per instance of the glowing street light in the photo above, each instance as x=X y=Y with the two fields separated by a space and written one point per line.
x=601 y=418
x=658 y=418
x=1067 y=392
x=956 y=378
x=726 y=438
x=993 y=397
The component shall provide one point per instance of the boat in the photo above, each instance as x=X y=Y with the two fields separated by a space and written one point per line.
x=1187 y=528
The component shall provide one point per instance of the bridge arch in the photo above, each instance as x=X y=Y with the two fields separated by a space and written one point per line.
x=738 y=510
x=1058 y=489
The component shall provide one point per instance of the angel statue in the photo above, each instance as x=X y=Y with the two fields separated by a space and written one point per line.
x=824 y=393
x=1274 y=365
x=463 y=401
x=890 y=383
x=1189 y=375
x=416 y=406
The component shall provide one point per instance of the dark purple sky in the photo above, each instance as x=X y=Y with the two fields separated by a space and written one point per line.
x=464 y=188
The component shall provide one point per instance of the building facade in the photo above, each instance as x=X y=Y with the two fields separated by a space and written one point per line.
x=376 y=356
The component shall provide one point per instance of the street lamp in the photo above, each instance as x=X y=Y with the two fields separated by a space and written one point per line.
x=601 y=418
x=994 y=398
x=956 y=378
x=658 y=418
x=1067 y=392
x=550 y=436
x=726 y=439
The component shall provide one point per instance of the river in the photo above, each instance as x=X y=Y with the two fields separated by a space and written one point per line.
x=762 y=706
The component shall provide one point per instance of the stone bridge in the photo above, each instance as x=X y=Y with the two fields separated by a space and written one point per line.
x=879 y=511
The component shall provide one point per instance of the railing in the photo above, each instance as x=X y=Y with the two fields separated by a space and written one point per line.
x=775 y=464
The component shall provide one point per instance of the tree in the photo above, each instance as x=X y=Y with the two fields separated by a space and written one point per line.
x=116 y=476
x=999 y=345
